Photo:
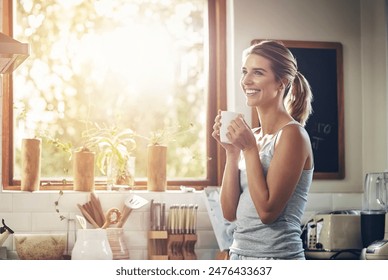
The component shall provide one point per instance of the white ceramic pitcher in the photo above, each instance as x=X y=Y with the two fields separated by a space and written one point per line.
x=92 y=244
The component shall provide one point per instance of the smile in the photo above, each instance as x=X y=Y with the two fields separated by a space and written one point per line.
x=250 y=92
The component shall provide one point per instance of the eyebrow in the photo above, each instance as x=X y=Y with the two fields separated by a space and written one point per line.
x=256 y=69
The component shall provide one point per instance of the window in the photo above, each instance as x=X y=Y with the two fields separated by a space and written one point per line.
x=143 y=65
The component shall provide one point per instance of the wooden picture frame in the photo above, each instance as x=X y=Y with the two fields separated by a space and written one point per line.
x=322 y=65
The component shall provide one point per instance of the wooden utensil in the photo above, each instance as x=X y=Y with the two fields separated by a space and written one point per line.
x=97 y=209
x=112 y=217
x=132 y=202
x=87 y=216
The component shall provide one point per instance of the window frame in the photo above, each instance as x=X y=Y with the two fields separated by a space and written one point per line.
x=216 y=100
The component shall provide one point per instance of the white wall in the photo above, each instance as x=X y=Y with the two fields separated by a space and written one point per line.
x=374 y=85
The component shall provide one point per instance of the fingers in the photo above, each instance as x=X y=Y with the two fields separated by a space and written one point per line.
x=216 y=135
x=217 y=124
x=240 y=134
x=239 y=121
x=238 y=125
x=236 y=131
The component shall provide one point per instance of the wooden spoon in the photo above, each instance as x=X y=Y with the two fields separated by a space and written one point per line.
x=112 y=217
x=87 y=216
x=97 y=209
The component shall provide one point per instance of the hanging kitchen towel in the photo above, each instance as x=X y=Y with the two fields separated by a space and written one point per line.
x=223 y=229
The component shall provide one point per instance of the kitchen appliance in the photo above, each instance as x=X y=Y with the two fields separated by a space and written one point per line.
x=374 y=207
x=378 y=250
x=333 y=235
x=5 y=231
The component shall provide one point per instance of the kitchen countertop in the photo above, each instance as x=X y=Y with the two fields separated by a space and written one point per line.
x=327 y=255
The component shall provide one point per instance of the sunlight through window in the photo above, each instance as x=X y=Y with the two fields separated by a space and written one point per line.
x=127 y=64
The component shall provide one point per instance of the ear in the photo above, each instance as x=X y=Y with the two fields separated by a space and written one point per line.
x=283 y=84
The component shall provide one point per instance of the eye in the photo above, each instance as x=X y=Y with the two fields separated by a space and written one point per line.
x=258 y=72
x=243 y=71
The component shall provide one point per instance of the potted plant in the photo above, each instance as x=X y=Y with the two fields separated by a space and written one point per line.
x=83 y=163
x=157 y=156
x=65 y=148
x=114 y=147
x=83 y=170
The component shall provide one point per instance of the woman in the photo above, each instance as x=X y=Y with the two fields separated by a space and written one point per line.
x=268 y=170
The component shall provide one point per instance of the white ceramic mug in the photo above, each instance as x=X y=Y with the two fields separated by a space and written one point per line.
x=226 y=118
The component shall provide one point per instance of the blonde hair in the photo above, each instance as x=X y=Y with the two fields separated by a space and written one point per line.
x=298 y=95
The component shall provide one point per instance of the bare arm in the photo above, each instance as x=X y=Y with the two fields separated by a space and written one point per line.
x=230 y=187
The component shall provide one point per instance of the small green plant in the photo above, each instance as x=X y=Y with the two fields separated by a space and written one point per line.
x=60 y=146
x=165 y=135
x=112 y=144
x=65 y=147
x=56 y=203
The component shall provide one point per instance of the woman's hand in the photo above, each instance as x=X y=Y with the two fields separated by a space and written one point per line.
x=241 y=135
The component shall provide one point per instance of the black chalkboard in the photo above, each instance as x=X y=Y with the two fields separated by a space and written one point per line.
x=321 y=63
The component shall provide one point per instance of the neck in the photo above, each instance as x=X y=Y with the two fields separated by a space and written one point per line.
x=272 y=120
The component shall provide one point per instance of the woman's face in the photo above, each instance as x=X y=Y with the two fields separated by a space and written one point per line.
x=258 y=81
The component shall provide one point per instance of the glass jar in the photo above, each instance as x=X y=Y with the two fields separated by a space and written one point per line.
x=121 y=174
x=117 y=243
x=91 y=244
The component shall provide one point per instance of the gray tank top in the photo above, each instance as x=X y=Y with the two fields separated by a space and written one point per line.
x=281 y=239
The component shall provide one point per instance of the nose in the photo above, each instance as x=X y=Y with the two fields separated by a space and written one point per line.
x=246 y=80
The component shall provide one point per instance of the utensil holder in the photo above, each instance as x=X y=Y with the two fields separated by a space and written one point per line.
x=175 y=247
x=188 y=250
x=181 y=246
x=117 y=243
x=157 y=245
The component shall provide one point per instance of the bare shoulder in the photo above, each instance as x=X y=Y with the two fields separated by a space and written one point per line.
x=294 y=140
x=294 y=136
x=294 y=131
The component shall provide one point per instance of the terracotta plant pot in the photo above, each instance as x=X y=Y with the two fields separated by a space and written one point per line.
x=157 y=168
x=84 y=170
x=31 y=162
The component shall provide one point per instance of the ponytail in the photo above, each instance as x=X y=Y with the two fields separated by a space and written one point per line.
x=299 y=98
